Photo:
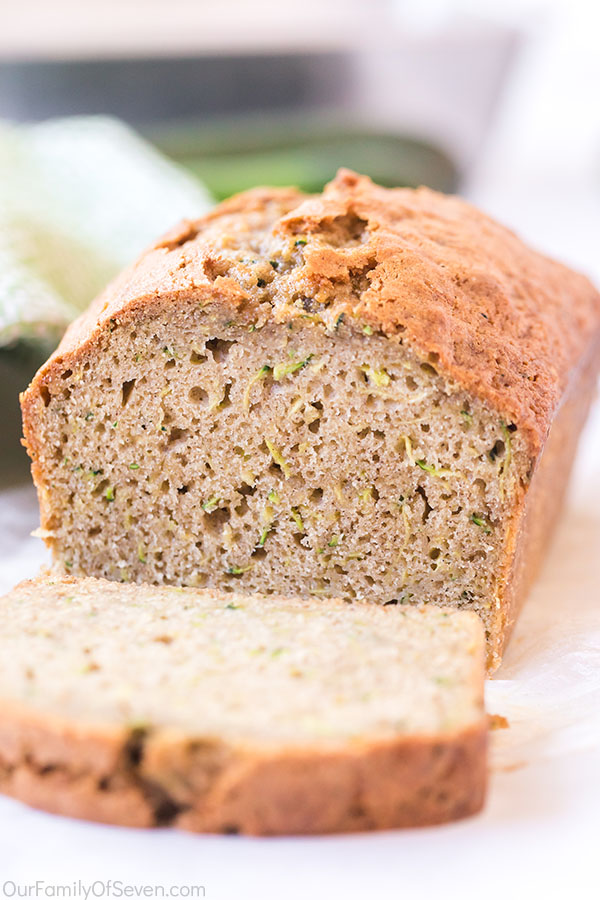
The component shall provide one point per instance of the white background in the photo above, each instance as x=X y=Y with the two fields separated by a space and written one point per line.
x=540 y=833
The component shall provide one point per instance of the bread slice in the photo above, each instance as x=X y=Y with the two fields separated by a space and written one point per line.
x=373 y=394
x=238 y=713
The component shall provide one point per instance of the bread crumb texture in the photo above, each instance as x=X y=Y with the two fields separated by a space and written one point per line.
x=217 y=711
x=343 y=395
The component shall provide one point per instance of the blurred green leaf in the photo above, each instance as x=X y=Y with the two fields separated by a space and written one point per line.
x=234 y=157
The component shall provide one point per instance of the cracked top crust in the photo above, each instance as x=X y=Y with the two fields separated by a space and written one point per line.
x=498 y=318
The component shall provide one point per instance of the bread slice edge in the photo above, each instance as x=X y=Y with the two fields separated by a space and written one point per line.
x=141 y=777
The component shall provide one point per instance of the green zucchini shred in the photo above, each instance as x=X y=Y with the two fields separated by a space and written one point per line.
x=263 y=536
x=280 y=370
x=437 y=473
x=481 y=523
x=378 y=377
x=238 y=570
x=297 y=518
x=210 y=504
x=278 y=458
x=260 y=374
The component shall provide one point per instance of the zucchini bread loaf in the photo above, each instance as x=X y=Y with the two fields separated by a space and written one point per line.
x=219 y=712
x=374 y=394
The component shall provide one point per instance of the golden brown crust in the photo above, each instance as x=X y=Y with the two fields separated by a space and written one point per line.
x=506 y=323
x=535 y=522
x=127 y=778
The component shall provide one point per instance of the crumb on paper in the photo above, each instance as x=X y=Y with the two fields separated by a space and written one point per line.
x=496 y=722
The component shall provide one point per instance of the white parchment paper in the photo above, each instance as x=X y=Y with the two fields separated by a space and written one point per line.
x=548 y=686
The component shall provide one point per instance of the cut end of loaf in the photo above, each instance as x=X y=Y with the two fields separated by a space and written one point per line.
x=286 y=459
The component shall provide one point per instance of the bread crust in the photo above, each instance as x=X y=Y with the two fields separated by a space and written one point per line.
x=542 y=503
x=154 y=778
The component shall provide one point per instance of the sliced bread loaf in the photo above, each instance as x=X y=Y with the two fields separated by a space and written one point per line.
x=221 y=712
x=373 y=394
